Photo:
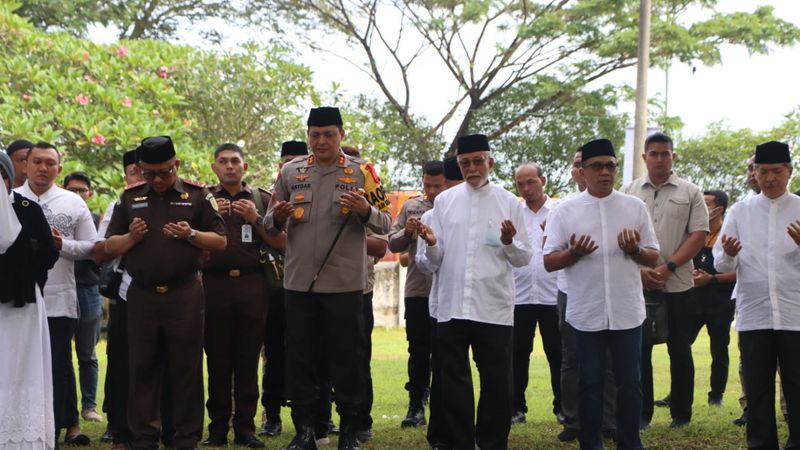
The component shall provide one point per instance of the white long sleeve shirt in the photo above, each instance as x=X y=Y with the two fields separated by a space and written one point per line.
x=605 y=287
x=68 y=213
x=768 y=266
x=533 y=284
x=425 y=266
x=475 y=281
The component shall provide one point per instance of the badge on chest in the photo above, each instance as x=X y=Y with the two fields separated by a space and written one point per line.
x=247 y=233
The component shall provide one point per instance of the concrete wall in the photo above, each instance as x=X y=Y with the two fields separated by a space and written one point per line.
x=387 y=301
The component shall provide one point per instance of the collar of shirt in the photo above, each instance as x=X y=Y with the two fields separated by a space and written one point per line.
x=671 y=180
x=221 y=189
x=761 y=198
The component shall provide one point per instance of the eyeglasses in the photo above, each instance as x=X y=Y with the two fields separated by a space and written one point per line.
x=598 y=166
x=477 y=162
x=163 y=174
x=78 y=190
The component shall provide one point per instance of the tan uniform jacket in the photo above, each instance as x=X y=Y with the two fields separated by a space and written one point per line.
x=418 y=283
x=315 y=191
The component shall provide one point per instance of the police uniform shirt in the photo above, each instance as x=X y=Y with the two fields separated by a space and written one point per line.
x=768 y=266
x=418 y=283
x=605 y=286
x=159 y=258
x=244 y=241
x=315 y=192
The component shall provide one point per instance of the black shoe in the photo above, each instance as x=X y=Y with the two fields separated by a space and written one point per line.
x=439 y=446
x=79 y=440
x=364 y=436
x=741 y=421
x=610 y=433
x=348 y=441
x=107 y=437
x=271 y=428
x=678 y=423
x=248 y=441
x=517 y=417
x=303 y=440
x=715 y=402
x=414 y=418
x=664 y=402
x=332 y=428
x=643 y=424
x=568 y=435
x=215 y=441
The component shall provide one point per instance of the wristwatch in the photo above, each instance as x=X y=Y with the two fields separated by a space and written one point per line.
x=260 y=221
x=671 y=266
x=192 y=236
x=636 y=252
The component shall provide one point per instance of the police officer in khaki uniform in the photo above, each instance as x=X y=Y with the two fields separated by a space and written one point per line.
x=236 y=304
x=319 y=203
x=418 y=286
x=162 y=226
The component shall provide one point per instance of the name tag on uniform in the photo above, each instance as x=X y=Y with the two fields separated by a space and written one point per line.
x=139 y=205
x=247 y=233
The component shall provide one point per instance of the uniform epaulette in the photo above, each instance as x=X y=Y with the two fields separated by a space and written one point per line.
x=264 y=191
x=194 y=183
x=135 y=185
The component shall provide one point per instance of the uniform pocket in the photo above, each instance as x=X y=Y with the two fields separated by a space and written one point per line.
x=338 y=211
x=301 y=200
x=678 y=209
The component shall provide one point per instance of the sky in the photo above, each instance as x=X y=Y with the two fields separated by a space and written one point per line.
x=746 y=91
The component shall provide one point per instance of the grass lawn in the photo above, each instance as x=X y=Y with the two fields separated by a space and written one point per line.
x=711 y=427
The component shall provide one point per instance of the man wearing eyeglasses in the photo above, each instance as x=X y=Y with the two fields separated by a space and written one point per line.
x=163 y=226
x=599 y=238
x=680 y=218
x=476 y=234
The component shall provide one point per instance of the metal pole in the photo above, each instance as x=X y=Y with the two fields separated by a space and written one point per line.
x=643 y=64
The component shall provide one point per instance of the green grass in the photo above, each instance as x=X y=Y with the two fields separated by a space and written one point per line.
x=711 y=427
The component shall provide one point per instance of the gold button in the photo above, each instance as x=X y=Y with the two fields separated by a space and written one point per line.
x=234 y=273
x=162 y=289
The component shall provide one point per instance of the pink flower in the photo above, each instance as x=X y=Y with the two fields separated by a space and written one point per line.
x=87 y=77
x=86 y=56
x=156 y=112
x=99 y=139
x=26 y=97
x=122 y=51
x=127 y=102
x=82 y=99
x=162 y=72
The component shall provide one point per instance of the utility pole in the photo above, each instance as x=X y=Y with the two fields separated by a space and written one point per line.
x=642 y=66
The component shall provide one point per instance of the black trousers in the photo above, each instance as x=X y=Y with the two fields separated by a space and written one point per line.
x=491 y=350
x=526 y=317
x=369 y=324
x=570 y=379
x=338 y=321
x=762 y=352
x=682 y=314
x=418 y=335
x=714 y=310
x=438 y=431
x=118 y=380
x=62 y=329
x=273 y=381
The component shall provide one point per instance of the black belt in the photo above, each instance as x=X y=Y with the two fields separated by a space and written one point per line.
x=233 y=273
x=166 y=286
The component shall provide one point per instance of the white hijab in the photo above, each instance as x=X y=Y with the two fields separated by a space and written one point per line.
x=9 y=224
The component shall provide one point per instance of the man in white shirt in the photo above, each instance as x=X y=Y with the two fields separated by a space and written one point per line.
x=75 y=235
x=535 y=302
x=761 y=242
x=476 y=235
x=606 y=305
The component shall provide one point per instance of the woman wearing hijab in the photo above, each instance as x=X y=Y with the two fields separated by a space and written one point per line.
x=27 y=252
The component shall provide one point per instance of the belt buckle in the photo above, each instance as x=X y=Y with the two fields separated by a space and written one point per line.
x=162 y=289
x=234 y=273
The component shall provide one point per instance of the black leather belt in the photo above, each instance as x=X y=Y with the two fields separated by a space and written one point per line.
x=233 y=273
x=168 y=285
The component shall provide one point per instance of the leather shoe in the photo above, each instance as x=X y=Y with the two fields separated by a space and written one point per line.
x=715 y=402
x=271 y=428
x=107 y=436
x=78 y=440
x=643 y=424
x=741 y=421
x=248 y=441
x=348 y=441
x=414 y=418
x=678 y=423
x=215 y=441
x=664 y=402
x=517 y=417
x=303 y=440
x=568 y=435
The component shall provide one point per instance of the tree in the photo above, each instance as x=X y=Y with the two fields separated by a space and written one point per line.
x=95 y=102
x=487 y=48
x=135 y=19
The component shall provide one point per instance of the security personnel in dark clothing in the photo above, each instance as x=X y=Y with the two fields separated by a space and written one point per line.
x=162 y=226
x=236 y=304
x=319 y=203
x=274 y=379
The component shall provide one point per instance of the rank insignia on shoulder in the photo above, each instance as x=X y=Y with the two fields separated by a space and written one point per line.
x=301 y=177
x=340 y=161
x=185 y=196
x=134 y=185
x=347 y=180
x=194 y=183
x=212 y=200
